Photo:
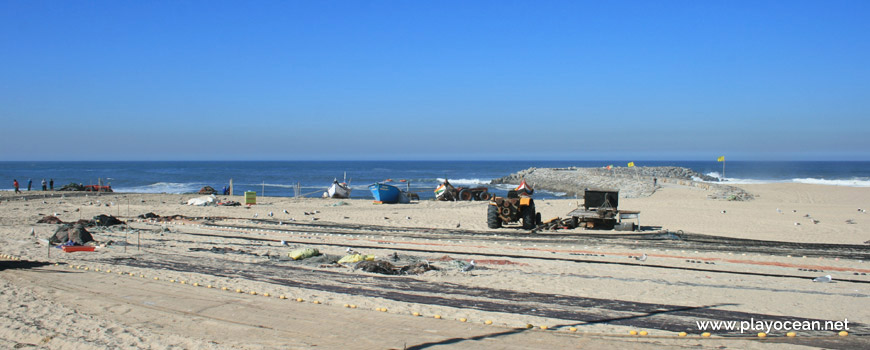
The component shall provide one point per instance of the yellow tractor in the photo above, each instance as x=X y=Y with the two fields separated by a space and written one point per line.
x=518 y=205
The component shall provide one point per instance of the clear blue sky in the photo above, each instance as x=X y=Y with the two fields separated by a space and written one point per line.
x=574 y=80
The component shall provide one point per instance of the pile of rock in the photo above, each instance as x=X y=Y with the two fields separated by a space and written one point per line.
x=630 y=182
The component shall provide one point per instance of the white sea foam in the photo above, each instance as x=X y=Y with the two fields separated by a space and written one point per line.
x=714 y=174
x=271 y=185
x=504 y=187
x=853 y=182
x=465 y=182
x=556 y=194
x=163 y=187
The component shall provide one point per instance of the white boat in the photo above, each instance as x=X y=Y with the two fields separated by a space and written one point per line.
x=337 y=190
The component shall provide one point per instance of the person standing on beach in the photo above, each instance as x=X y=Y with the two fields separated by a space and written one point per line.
x=29 y=184
x=15 y=184
x=655 y=181
x=44 y=185
x=51 y=185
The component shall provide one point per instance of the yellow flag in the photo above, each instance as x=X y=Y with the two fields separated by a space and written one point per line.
x=721 y=159
x=630 y=164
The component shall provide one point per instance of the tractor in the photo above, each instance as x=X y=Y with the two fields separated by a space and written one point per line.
x=518 y=205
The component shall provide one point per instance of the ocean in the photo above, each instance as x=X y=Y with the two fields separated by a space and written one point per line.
x=278 y=178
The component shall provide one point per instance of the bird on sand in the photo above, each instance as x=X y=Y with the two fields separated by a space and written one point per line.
x=779 y=210
x=256 y=215
x=823 y=279
x=642 y=257
x=468 y=267
x=458 y=224
x=286 y=212
x=270 y=214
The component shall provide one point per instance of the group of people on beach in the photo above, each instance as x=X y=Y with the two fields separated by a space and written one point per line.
x=45 y=185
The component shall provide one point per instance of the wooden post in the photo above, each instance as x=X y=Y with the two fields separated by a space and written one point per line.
x=231 y=186
x=138 y=235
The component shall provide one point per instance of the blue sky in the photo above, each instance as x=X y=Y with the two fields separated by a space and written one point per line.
x=335 y=80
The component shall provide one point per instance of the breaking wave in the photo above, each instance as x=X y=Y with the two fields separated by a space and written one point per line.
x=465 y=182
x=853 y=182
x=163 y=187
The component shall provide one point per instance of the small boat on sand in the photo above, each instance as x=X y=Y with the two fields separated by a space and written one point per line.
x=385 y=193
x=524 y=188
x=389 y=194
x=337 y=190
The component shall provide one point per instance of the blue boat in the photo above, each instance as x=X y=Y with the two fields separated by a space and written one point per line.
x=385 y=193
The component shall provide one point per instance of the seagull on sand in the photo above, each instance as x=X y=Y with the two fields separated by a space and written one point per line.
x=350 y=251
x=823 y=279
x=815 y=221
x=256 y=215
x=641 y=258
x=270 y=214
x=468 y=267
x=286 y=212
x=779 y=210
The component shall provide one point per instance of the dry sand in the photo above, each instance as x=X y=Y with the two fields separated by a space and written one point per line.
x=569 y=278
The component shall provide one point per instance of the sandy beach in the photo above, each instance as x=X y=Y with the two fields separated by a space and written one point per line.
x=219 y=277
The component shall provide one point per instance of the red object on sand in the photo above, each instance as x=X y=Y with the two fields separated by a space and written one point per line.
x=77 y=248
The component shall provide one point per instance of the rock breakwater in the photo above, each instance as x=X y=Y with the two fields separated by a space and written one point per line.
x=630 y=182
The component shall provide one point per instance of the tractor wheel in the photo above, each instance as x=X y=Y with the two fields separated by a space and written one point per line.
x=485 y=196
x=529 y=217
x=465 y=195
x=492 y=219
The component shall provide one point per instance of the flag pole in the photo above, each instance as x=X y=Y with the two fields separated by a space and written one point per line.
x=723 y=170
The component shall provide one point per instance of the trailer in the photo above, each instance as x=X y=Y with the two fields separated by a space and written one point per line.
x=447 y=192
x=600 y=211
